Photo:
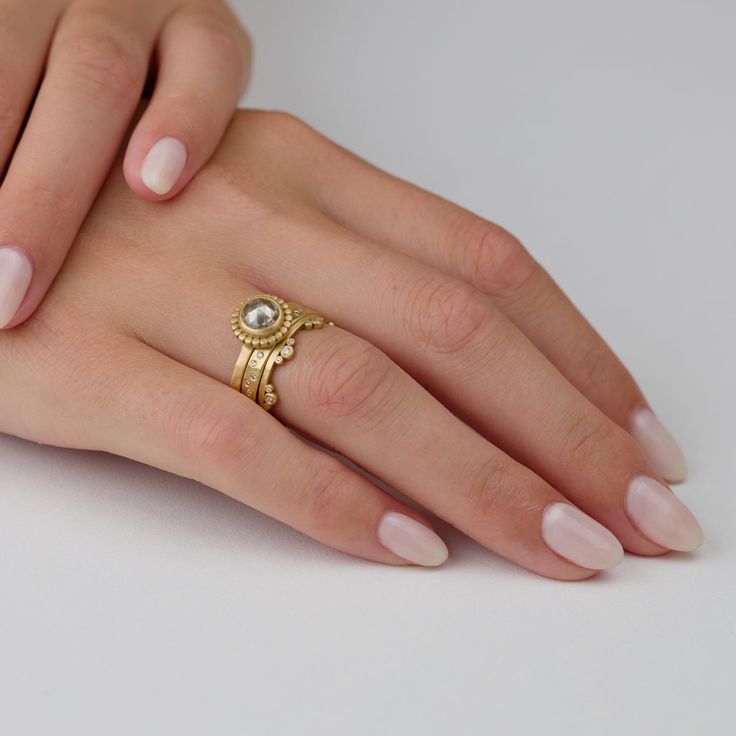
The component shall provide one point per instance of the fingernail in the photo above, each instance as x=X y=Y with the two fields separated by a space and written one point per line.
x=15 y=277
x=661 y=447
x=661 y=516
x=578 y=538
x=163 y=165
x=409 y=539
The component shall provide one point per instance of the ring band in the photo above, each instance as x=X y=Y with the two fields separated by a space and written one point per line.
x=257 y=357
x=267 y=396
x=267 y=325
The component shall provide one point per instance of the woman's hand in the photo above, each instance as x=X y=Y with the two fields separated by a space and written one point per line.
x=93 y=58
x=458 y=372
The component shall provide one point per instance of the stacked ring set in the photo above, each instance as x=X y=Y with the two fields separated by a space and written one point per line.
x=267 y=327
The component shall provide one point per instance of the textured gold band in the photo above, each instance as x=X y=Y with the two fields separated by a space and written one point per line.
x=266 y=325
x=285 y=350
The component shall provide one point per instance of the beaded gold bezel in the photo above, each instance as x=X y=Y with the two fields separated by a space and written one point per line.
x=268 y=336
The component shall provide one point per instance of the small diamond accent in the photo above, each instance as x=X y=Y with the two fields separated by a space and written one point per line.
x=254 y=363
x=270 y=399
x=287 y=351
x=260 y=353
x=290 y=341
x=278 y=359
x=269 y=388
x=253 y=376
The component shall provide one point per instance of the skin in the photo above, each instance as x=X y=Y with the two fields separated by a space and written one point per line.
x=447 y=375
x=82 y=65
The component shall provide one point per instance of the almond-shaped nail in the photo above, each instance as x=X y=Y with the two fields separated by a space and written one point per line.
x=659 y=515
x=661 y=447
x=573 y=535
x=409 y=539
x=15 y=278
x=163 y=165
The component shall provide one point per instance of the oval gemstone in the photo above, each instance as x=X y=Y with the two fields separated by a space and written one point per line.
x=260 y=313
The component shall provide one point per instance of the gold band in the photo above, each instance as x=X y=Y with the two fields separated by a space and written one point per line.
x=266 y=326
x=285 y=350
x=236 y=381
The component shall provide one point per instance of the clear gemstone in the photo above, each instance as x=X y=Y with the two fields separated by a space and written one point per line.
x=278 y=359
x=287 y=351
x=259 y=314
x=290 y=341
x=270 y=399
x=254 y=363
x=253 y=376
x=260 y=353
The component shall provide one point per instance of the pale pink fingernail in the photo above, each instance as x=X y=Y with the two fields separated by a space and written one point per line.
x=163 y=165
x=409 y=539
x=661 y=516
x=578 y=538
x=661 y=447
x=15 y=278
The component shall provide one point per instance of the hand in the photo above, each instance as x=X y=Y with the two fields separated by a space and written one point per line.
x=441 y=317
x=94 y=57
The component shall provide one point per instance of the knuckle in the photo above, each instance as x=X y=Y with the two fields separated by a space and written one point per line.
x=603 y=375
x=108 y=63
x=213 y=438
x=443 y=313
x=585 y=437
x=9 y=102
x=196 y=117
x=230 y=47
x=276 y=129
x=492 y=258
x=348 y=378
x=495 y=489
x=319 y=497
x=283 y=124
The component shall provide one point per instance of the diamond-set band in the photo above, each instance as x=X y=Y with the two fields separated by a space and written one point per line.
x=267 y=325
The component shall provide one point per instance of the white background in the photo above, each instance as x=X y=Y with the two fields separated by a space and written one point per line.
x=601 y=133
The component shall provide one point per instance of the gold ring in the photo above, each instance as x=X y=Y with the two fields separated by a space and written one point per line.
x=266 y=325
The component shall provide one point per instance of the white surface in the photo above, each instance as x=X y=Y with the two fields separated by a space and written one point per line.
x=601 y=133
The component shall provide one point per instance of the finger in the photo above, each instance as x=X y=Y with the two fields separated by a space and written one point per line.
x=203 y=62
x=349 y=396
x=455 y=341
x=484 y=255
x=96 y=70
x=25 y=34
x=174 y=418
x=347 y=393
